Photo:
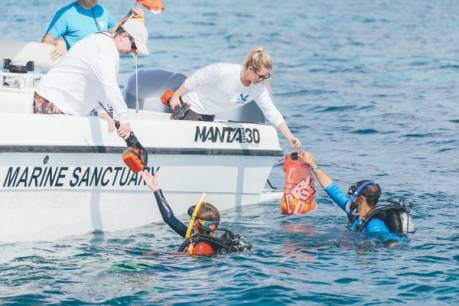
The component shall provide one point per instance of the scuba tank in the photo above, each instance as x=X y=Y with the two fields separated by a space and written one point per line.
x=298 y=197
x=395 y=215
x=179 y=111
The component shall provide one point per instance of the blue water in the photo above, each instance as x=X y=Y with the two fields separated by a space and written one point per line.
x=370 y=87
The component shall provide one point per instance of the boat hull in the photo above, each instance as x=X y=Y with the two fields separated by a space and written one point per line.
x=73 y=181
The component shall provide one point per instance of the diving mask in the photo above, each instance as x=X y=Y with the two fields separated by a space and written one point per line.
x=354 y=192
x=207 y=225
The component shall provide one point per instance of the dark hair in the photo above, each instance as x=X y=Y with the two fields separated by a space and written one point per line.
x=371 y=193
x=208 y=212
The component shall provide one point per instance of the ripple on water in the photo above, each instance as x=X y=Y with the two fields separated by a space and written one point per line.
x=337 y=108
x=365 y=131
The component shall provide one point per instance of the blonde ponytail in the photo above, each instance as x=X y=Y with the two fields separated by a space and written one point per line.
x=258 y=59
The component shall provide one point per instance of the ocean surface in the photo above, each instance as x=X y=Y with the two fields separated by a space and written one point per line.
x=370 y=87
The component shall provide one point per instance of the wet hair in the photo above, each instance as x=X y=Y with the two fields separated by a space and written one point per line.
x=258 y=59
x=371 y=193
x=208 y=212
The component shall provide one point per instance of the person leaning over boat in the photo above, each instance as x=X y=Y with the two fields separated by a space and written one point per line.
x=222 y=87
x=205 y=217
x=77 y=20
x=88 y=73
x=364 y=196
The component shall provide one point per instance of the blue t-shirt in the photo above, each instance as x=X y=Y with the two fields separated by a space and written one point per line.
x=73 y=22
x=375 y=227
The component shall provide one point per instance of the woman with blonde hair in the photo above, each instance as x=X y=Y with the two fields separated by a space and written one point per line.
x=222 y=87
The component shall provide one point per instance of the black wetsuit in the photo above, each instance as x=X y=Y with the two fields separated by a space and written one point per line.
x=168 y=215
x=226 y=243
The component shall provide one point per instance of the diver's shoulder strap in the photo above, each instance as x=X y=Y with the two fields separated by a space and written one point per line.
x=227 y=234
x=390 y=205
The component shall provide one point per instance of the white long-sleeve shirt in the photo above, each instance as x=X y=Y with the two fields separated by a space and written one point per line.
x=84 y=76
x=218 y=88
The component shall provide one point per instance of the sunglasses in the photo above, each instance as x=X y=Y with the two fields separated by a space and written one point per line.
x=133 y=45
x=261 y=77
x=208 y=225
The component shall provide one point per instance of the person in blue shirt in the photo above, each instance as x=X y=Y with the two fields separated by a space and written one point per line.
x=360 y=201
x=77 y=20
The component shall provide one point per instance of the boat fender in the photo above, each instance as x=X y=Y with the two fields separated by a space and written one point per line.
x=298 y=197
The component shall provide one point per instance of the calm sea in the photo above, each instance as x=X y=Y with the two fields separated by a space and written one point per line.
x=370 y=87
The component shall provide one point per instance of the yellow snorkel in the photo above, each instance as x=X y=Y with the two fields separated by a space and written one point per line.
x=194 y=215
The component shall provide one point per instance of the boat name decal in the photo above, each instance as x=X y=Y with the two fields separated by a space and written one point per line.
x=70 y=177
x=226 y=134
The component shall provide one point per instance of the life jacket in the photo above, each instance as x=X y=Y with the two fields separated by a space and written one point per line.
x=298 y=197
x=395 y=215
x=228 y=242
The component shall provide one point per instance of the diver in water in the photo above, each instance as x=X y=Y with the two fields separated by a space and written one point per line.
x=387 y=220
x=200 y=239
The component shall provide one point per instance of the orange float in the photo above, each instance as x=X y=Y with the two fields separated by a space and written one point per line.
x=298 y=198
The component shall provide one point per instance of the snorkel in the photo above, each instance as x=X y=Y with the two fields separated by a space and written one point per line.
x=196 y=209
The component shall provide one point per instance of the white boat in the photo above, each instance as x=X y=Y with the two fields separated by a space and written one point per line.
x=63 y=175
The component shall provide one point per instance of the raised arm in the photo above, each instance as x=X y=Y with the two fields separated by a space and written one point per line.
x=265 y=102
x=166 y=211
x=325 y=181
